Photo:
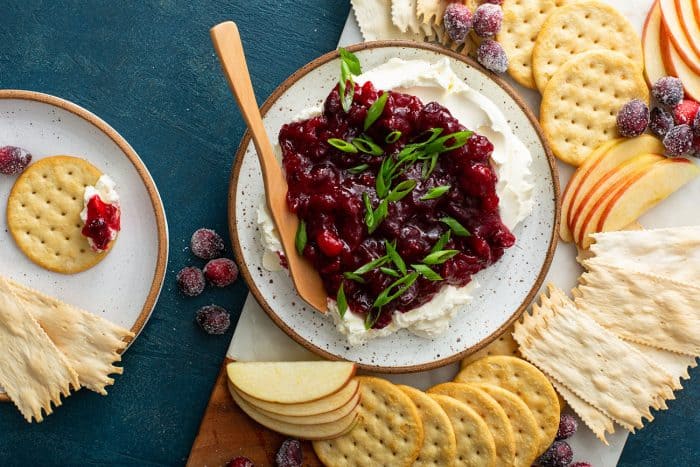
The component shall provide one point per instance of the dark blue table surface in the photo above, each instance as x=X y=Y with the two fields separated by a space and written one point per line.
x=148 y=68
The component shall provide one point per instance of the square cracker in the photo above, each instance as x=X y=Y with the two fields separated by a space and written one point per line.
x=405 y=17
x=91 y=344
x=375 y=21
x=33 y=371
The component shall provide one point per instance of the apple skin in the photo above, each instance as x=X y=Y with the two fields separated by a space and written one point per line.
x=327 y=417
x=689 y=21
x=674 y=28
x=677 y=67
x=654 y=67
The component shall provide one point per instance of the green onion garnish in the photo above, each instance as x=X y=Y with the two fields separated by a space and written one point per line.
x=392 y=137
x=439 y=257
x=426 y=272
x=401 y=190
x=300 y=239
x=436 y=192
x=439 y=145
x=395 y=256
x=342 y=145
x=375 y=110
x=442 y=241
x=367 y=146
x=455 y=226
x=358 y=169
x=342 y=301
x=402 y=285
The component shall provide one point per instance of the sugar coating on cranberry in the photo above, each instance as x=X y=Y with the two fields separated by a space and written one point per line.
x=221 y=272
x=206 y=244
x=685 y=112
x=559 y=454
x=567 y=426
x=633 y=118
x=240 y=461
x=495 y=2
x=487 y=20
x=678 y=141
x=668 y=91
x=492 y=56
x=213 y=319
x=660 y=121
x=696 y=124
x=191 y=281
x=289 y=454
x=457 y=21
x=13 y=160
x=580 y=464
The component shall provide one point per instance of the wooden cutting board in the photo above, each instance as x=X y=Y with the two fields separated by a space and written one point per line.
x=226 y=432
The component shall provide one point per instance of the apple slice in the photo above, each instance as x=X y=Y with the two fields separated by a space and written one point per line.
x=321 y=406
x=327 y=417
x=641 y=193
x=651 y=44
x=290 y=382
x=600 y=162
x=677 y=67
x=312 y=432
x=673 y=26
x=690 y=23
x=586 y=215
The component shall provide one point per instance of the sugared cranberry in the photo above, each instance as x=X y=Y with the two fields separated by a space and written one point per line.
x=487 y=20
x=495 y=2
x=206 y=244
x=678 y=141
x=221 y=272
x=457 y=21
x=684 y=113
x=240 y=461
x=567 y=426
x=660 y=121
x=191 y=281
x=696 y=124
x=668 y=91
x=633 y=118
x=580 y=464
x=289 y=454
x=13 y=160
x=492 y=56
x=559 y=454
x=213 y=319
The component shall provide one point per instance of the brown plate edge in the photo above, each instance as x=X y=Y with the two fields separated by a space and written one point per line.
x=156 y=202
x=235 y=172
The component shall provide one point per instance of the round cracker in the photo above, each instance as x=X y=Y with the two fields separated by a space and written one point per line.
x=504 y=345
x=390 y=431
x=522 y=420
x=576 y=28
x=488 y=409
x=527 y=382
x=43 y=214
x=475 y=444
x=580 y=104
x=439 y=442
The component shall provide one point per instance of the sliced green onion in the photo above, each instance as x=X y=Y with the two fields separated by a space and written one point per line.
x=341 y=301
x=436 y=192
x=300 y=239
x=367 y=146
x=426 y=272
x=358 y=169
x=429 y=166
x=455 y=226
x=395 y=256
x=390 y=272
x=439 y=145
x=401 y=190
x=384 y=177
x=369 y=210
x=439 y=257
x=392 y=137
x=379 y=215
x=354 y=277
x=402 y=285
x=342 y=145
x=346 y=94
x=442 y=241
x=371 y=319
x=375 y=110
x=371 y=265
x=352 y=61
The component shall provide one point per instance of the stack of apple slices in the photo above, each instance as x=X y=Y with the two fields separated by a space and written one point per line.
x=617 y=183
x=307 y=400
x=671 y=42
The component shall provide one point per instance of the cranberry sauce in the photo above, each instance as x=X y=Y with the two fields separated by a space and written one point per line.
x=102 y=219
x=327 y=186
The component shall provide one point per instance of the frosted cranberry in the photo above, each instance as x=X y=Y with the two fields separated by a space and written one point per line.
x=457 y=21
x=696 y=124
x=13 y=160
x=633 y=118
x=660 y=121
x=289 y=454
x=221 y=272
x=487 y=20
x=206 y=244
x=213 y=319
x=678 y=141
x=685 y=112
x=492 y=56
x=495 y=2
x=559 y=454
x=668 y=91
x=191 y=281
x=567 y=426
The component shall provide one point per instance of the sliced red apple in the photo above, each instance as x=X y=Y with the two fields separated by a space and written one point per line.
x=653 y=63
x=641 y=193
x=586 y=216
x=326 y=417
x=690 y=23
x=677 y=67
x=672 y=24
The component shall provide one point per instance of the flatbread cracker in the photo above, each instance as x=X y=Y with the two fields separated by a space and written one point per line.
x=90 y=344
x=579 y=27
x=439 y=442
x=475 y=445
x=489 y=410
x=405 y=18
x=389 y=432
x=524 y=380
x=675 y=364
x=34 y=373
x=642 y=307
x=43 y=214
x=503 y=345
x=580 y=105
x=613 y=377
x=599 y=423
x=374 y=19
x=522 y=421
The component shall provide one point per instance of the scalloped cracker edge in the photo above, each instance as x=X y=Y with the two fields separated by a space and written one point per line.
x=375 y=20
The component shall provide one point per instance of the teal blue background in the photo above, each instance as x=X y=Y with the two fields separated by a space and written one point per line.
x=148 y=69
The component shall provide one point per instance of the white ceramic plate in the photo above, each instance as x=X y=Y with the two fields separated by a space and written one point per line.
x=506 y=287
x=124 y=287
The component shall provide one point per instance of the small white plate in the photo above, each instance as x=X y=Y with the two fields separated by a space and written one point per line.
x=124 y=287
x=506 y=287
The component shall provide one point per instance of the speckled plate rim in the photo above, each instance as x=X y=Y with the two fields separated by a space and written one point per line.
x=144 y=174
x=233 y=221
